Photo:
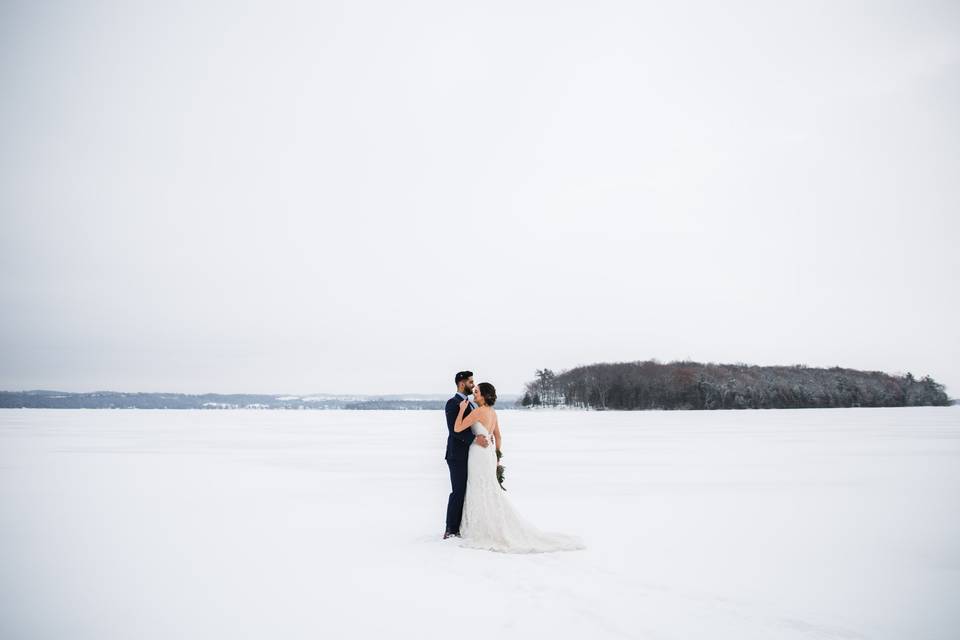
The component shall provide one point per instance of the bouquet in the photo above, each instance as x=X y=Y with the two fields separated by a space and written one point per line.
x=500 y=469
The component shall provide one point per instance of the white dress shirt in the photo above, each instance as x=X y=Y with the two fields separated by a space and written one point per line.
x=462 y=395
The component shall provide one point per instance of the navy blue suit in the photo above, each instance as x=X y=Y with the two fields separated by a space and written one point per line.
x=458 y=448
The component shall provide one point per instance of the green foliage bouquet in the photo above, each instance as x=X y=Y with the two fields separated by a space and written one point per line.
x=500 y=469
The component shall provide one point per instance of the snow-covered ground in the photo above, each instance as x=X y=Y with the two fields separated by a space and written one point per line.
x=815 y=523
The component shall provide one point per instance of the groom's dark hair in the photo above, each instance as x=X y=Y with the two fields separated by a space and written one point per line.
x=462 y=375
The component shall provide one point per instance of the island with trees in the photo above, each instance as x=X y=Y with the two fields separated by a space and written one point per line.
x=650 y=384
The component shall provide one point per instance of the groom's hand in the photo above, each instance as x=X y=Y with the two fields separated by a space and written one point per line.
x=482 y=441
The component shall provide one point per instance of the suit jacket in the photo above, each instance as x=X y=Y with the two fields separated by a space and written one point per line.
x=458 y=444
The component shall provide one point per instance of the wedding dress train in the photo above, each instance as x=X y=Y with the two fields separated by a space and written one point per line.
x=490 y=520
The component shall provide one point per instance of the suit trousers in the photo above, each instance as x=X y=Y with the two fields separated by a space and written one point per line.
x=458 y=482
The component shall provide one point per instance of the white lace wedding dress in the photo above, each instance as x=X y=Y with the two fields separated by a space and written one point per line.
x=489 y=519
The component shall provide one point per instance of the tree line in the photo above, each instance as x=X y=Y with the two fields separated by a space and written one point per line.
x=650 y=384
x=47 y=399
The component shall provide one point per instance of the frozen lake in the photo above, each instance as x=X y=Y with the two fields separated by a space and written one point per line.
x=814 y=523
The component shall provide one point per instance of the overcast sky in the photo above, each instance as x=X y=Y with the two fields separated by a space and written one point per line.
x=368 y=196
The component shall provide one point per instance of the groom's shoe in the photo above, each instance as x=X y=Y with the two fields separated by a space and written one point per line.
x=447 y=534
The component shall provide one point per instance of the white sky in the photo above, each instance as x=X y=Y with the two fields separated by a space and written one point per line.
x=368 y=196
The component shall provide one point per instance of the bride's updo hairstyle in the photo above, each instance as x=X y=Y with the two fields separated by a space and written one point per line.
x=489 y=393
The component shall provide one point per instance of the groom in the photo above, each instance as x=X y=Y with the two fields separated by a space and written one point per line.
x=458 y=448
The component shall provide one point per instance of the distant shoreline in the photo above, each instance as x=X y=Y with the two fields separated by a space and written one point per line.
x=511 y=407
x=370 y=405
x=49 y=399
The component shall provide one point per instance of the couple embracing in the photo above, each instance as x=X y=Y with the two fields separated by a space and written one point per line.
x=479 y=513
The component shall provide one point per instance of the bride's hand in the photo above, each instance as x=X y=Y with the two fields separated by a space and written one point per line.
x=463 y=405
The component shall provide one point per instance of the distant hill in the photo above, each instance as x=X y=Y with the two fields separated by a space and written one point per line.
x=46 y=399
x=693 y=385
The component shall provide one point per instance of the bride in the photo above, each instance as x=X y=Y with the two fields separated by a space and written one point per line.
x=489 y=519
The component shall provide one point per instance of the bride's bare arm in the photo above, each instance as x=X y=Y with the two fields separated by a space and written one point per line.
x=496 y=432
x=460 y=425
